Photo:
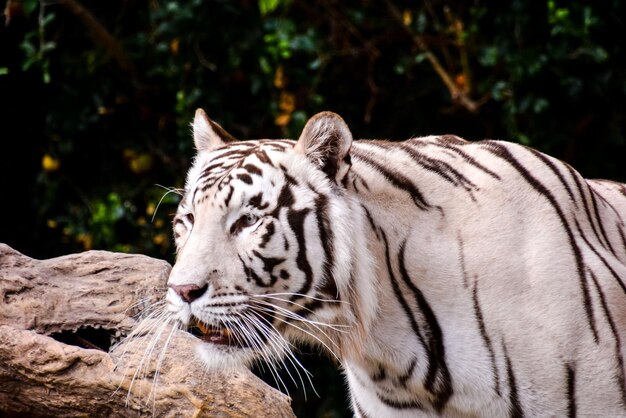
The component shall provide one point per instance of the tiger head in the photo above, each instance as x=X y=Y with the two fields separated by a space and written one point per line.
x=266 y=239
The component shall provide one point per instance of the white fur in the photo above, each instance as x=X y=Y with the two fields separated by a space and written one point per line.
x=493 y=241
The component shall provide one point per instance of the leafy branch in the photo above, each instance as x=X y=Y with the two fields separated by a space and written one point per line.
x=459 y=95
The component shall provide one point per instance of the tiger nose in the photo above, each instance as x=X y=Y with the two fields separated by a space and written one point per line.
x=189 y=292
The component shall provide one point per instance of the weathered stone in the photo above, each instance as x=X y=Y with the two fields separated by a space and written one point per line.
x=93 y=299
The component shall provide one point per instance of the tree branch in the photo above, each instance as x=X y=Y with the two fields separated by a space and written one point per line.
x=457 y=94
x=101 y=35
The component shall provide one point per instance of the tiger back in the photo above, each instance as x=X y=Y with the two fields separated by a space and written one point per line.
x=449 y=278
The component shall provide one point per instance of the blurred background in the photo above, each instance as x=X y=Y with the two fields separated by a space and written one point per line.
x=96 y=98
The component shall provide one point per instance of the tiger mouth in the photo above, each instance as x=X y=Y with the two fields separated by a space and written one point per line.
x=214 y=334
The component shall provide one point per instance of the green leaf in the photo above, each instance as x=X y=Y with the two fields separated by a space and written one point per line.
x=500 y=90
x=30 y=5
x=265 y=65
x=540 y=105
x=488 y=56
x=49 y=17
x=4 y=70
x=268 y=6
x=420 y=57
x=48 y=46
x=28 y=48
x=315 y=64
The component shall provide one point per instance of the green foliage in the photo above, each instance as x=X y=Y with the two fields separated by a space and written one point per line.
x=99 y=128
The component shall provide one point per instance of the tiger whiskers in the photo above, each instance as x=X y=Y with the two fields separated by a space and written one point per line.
x=160 y=363
x=293 y=315
x=249 y=334
x=273 y=309
x=155 y=320
x=169 y=190
x=281 y=350
x=301 y=295
x=273 y=314
x=148 y=320
x=147 y=354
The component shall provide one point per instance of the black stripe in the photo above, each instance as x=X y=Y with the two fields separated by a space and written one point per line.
x=246 y=178
x=397 y=179
x=309 y=307
x=269 y=264
x=253 y=169
x=269 y=233
x=370 y=219
x=408 y=374
x=215 y=169
x=257 y=201
x=285 y=200
x=570 y=380
x=262 y=156
x=417 y=157
x=453 y=140
x=392 y=403
x=620 y=229
x=251 y=274
x=468 y=158
x=544 y=159
x=514 y=404
x=595 y=209
x=592 y=220
x=358 y=410
x=606 y=263
x=438 y=380
x=229 y=196
x=361 y=180
x=398 y=293
x=483 y=332
x=296 y=222
x=439 y=167
x=606 y=202
x=327 y=238
x=502 y=152
x=462 y=261
x=380 y=374
x=621 y=379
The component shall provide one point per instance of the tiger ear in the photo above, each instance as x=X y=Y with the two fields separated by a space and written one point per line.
x=326 y=141
x=208 y=135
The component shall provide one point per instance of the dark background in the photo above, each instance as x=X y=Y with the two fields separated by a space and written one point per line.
x=96 y=99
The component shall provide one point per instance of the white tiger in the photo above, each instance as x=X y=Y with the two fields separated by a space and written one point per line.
x=450 y=278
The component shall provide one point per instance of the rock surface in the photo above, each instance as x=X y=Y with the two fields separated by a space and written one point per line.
x=90 y=301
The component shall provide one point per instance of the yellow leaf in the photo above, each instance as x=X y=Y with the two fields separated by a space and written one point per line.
x=158 y=223
x=282 y=119
x=50 y=164
x=461 y=81
x=86 y=240
x=279 y=77
x=407 y=17
x=141 y=164
x=287 y=102
x=174 y=44
x=159 y=239
x=129 y=153
x=51 y=223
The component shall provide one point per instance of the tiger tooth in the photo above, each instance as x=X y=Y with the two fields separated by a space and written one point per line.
x=201 y=326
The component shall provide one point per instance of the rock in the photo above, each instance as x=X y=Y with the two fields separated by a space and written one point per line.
x=60 y=317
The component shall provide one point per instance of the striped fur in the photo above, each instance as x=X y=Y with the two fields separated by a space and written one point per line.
x=449 y=278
